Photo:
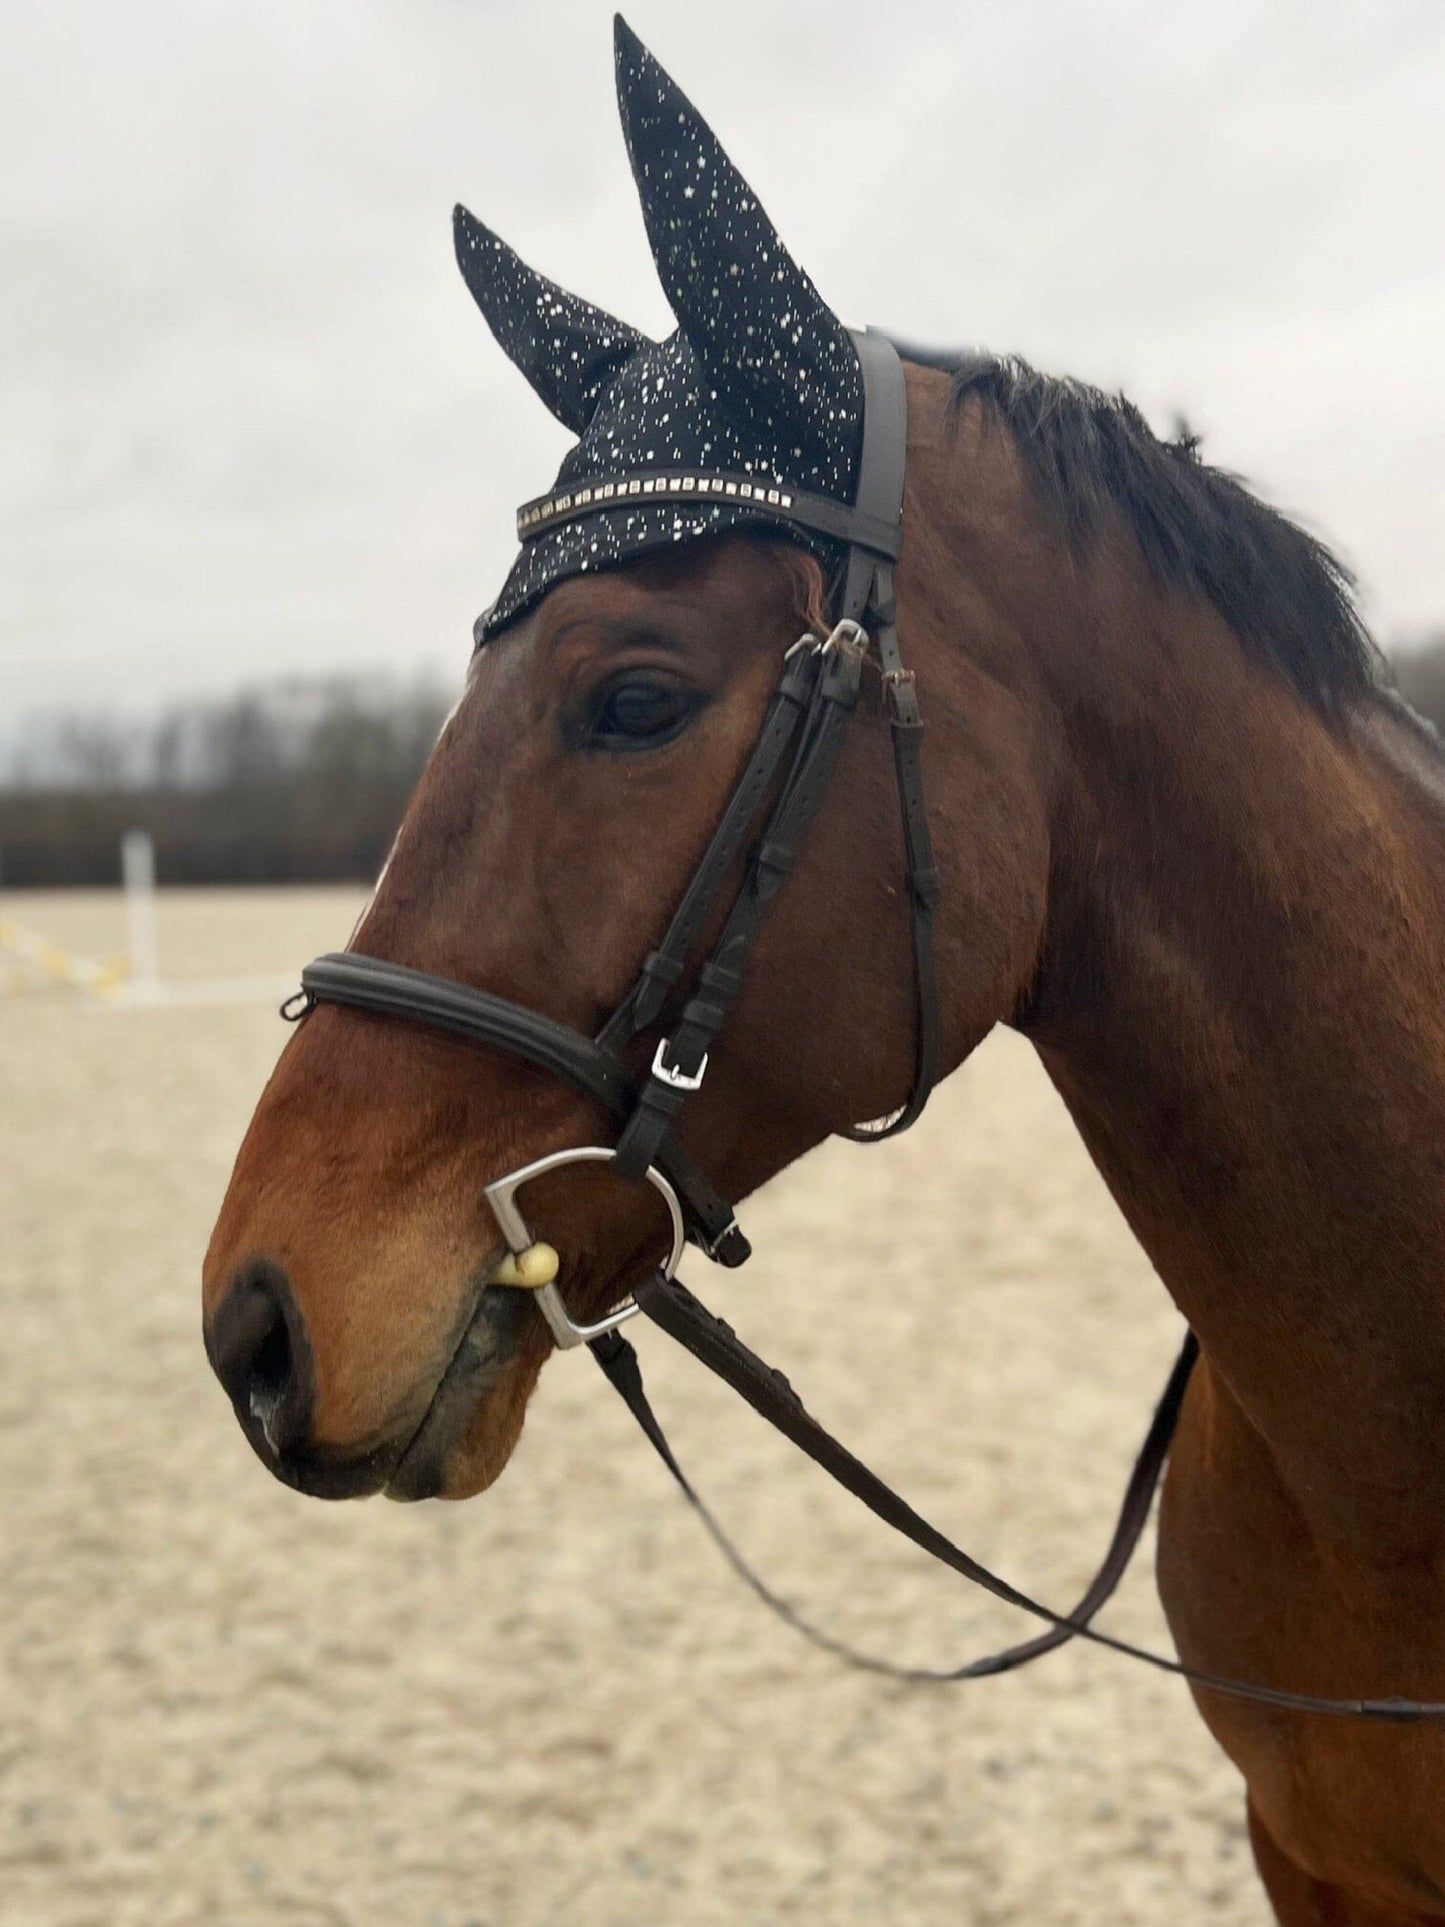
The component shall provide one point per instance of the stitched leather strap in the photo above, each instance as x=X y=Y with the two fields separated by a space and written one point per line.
x=619 y=1361
x=920 y=870
x=663 y=969
x=835 y=692
x=383 y=989
x=715 y=1345
x=600 y=495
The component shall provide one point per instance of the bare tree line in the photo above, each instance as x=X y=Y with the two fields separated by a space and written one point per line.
x=298 y=782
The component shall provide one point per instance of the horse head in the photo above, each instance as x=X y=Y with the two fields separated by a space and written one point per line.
x=617 y=694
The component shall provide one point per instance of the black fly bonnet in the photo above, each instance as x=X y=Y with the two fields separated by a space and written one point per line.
x=749 y=415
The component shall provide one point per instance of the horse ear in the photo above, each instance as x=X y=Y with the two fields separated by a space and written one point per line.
x=742 y=301
x=568 y=350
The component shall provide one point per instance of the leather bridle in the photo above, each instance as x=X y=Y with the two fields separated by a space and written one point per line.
x=782 y=787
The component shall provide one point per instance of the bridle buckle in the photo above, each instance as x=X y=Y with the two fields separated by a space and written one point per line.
x=849 y=636
x=675 y=1079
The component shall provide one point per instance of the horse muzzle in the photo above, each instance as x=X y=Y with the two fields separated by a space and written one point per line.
x=258 y=1347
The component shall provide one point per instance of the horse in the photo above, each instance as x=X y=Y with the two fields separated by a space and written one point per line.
x=1190 y=845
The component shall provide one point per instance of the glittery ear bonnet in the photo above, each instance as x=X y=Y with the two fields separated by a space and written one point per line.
x=756 y=394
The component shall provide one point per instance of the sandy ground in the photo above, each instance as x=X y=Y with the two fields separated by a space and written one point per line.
x=220 y=1702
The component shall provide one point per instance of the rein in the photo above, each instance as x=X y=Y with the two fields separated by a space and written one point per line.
x=792 y=763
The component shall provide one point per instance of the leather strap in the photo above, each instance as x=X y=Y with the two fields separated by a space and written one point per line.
x=714 y=1344
x=835 y=692
x=619 y=1361
x=664 y=966
x=920 y=870
x=382 y=989
x=884 y=454
x=796 y=507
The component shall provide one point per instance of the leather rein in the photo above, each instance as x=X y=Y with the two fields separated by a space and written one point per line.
x=792 y=763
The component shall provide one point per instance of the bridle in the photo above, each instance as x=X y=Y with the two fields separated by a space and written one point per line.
x=765 y=822
x=782 y=786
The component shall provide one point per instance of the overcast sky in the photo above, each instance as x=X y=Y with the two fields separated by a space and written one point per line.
x=251 y=423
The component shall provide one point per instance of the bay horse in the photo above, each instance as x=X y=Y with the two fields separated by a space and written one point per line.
x=1190 y=846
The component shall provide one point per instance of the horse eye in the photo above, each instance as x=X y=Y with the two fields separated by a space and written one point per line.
x=636 y=714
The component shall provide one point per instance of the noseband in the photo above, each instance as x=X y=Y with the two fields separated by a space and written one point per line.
x=767 y=818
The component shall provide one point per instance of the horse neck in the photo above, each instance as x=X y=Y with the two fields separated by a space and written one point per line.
x=1241 y=1005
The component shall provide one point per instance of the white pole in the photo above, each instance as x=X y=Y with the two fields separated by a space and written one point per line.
x=138 y=871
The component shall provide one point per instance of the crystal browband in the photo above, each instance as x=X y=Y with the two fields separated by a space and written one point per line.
x=548 y=510
x=769 y=498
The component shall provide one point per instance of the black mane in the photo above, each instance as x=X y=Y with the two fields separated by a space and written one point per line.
x=1093 y=457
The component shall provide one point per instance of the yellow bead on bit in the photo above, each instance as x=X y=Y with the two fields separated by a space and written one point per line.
x=536 y=1266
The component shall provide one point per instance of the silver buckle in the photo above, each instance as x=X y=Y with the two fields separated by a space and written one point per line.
x=677 y=1080
x=711 y=1247
x=850 y=636
x=502 y=1197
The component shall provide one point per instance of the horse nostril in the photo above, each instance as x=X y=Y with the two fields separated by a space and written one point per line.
x=257 y=1347
x=270 y=1379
